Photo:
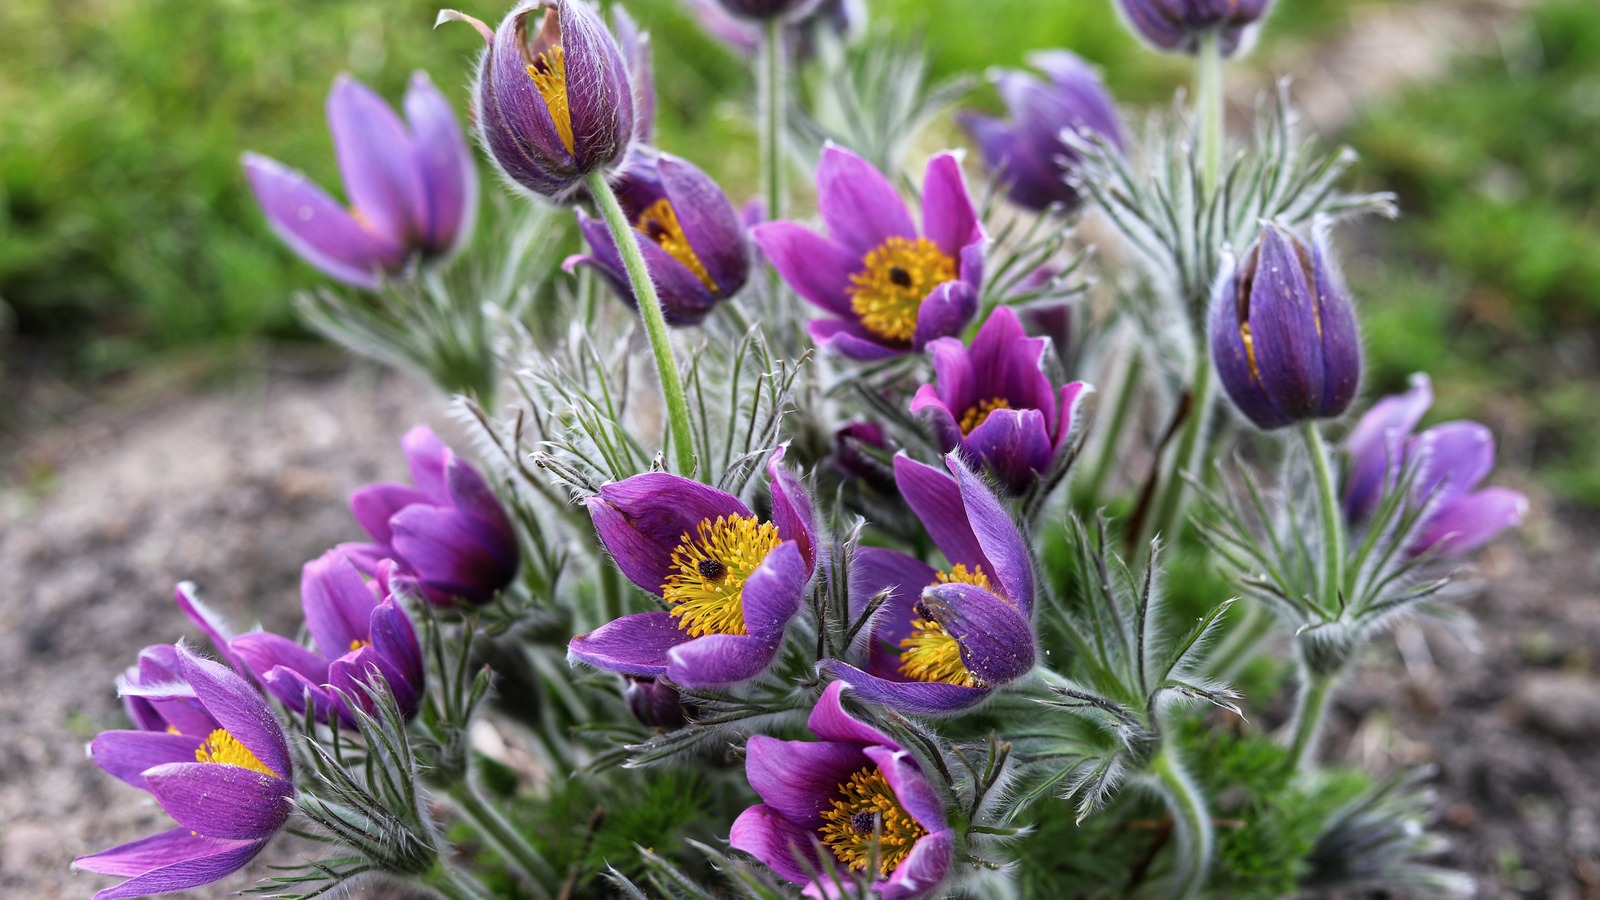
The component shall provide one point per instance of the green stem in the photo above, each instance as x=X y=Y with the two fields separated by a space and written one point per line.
x=1333 y=539
x=1310 y=709
x=454 y=884
x=1191 y=824
x=1209 y=101
x=1119 y=417
x=655 y=324
x=772 y=114
x=1167 y=520
x=505 y=837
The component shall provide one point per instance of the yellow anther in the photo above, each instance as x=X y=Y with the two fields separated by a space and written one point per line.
x=706 y=587
x=930 y=653
x=867 y=809
x=898 y=276
x=977 y=415
x=549 y=73
x=222 y=747
x=659 y=223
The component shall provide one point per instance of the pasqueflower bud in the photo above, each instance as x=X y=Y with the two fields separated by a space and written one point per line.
x=654 y=703
x=763 y=10
x=691 y=236
x=552 y=102
x=1028 y=153
x=1178 y=25
x=1283 y=333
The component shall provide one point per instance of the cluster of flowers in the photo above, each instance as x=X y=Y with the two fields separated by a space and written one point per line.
x=558 y=98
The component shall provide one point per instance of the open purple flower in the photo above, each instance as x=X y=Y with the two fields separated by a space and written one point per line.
x=221 y=769
x=412 y=186
x=943 y=640
x=890 y=288
x=693 y=241
x=448 y=533
x=1028 y=151
x=1450 y=459
x=731 y=581
x=357 y=629
x=556 y=103
x=1283 y=333
x=1178 y=25
x=844 y=790
x=994 y=403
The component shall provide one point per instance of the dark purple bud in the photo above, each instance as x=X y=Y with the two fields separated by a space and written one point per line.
x=1283 y=333
x=762 y=10
x=693 y=241
x=654 y=703
x=1028 y=152
x=1177 y=25
x=853 y=455
x=554 y=100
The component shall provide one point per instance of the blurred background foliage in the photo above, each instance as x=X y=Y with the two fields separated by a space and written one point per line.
x=127 y=234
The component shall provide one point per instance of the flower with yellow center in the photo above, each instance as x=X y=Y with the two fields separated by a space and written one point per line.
x=866 y=813
x=709 y=568
x=549 y=73
x=897 y=276
x=930 y=653
x=659 y=223
x=979 y=414
x=222 y=747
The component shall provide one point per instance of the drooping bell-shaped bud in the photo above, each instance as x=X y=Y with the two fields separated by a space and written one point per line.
x=553 y=100
x=654 y=703
x=1178 y=25
x=1283 y=333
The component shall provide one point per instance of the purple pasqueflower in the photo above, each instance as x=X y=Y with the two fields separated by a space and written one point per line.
x=221 y=769
x=1028 y=152
x=357 y=630
x=1178 y=25
x=853 y=788
x=655 y=703
x=448 y=534
x=943 y=640
x=1283 y=333
x=693 y=242
x=763 y=10
x=1449 y=459
x=731 y=582
x=412 y=186
x=556 y=103
x=890 y=289
x=844 y=18
x=994 y=403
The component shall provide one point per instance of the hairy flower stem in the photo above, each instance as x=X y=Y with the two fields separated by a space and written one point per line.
x=1209 y=108
x=655 y=324
x=505 y=837
x=769 y=77
x=1191 y=824
x=1333 y=540
x=1310 y=709
x=1119 y=417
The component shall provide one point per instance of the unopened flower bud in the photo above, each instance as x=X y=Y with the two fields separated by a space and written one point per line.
x=1177 y=25
x=654 y=703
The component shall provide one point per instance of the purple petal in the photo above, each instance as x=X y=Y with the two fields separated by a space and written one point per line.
x=996 y=640
x=263 y=651
x=849 y=339
x=366 y=557
x=761 y=832
x=440 y=154
x=1472 y=521
x=338 y=603
x=129 y=754
x=633 y=645
x=1011 y=566
x=923 y=869
x=446 y=550
x=1016 y=445
x=798 y=779
x=773 y=592
x=238 y=708
x=1455 y=457
x=425 y=457
x=958 y=383
x=396 y=641
x=471 y=495
x=818 y=268
x=1067 y=421
x=375 y=159
x=1375 y=445
x=830 y=722
x=220 y=800
x=209 y=621
x=858 y=204
x=599 y=91
x=910 y=786
x=293 y=689
x=355 y=672
x=173 y=860
x=935 y=497
x=375 y=504
x=1339 y=336
x=1232 y=359
x=948 y=217
x=709 y=222
x=939 y=418
x=718 y=660
x=1032 y=178
x=642 y=519
x=317 y=228
x=923 y=698
x=945 y=312
x=1009 y=361
x=1283 y=327
x=876 y=570
x=792 y=512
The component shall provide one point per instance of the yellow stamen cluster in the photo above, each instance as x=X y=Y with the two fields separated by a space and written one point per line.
x=930 y=653
x=659 y=223
x=897 y=277
x=866 y=808
x=1249 y=350
x=358 y=643
x=549 y=73
x=222 y=747
x=706 y=587
x=977 y=415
